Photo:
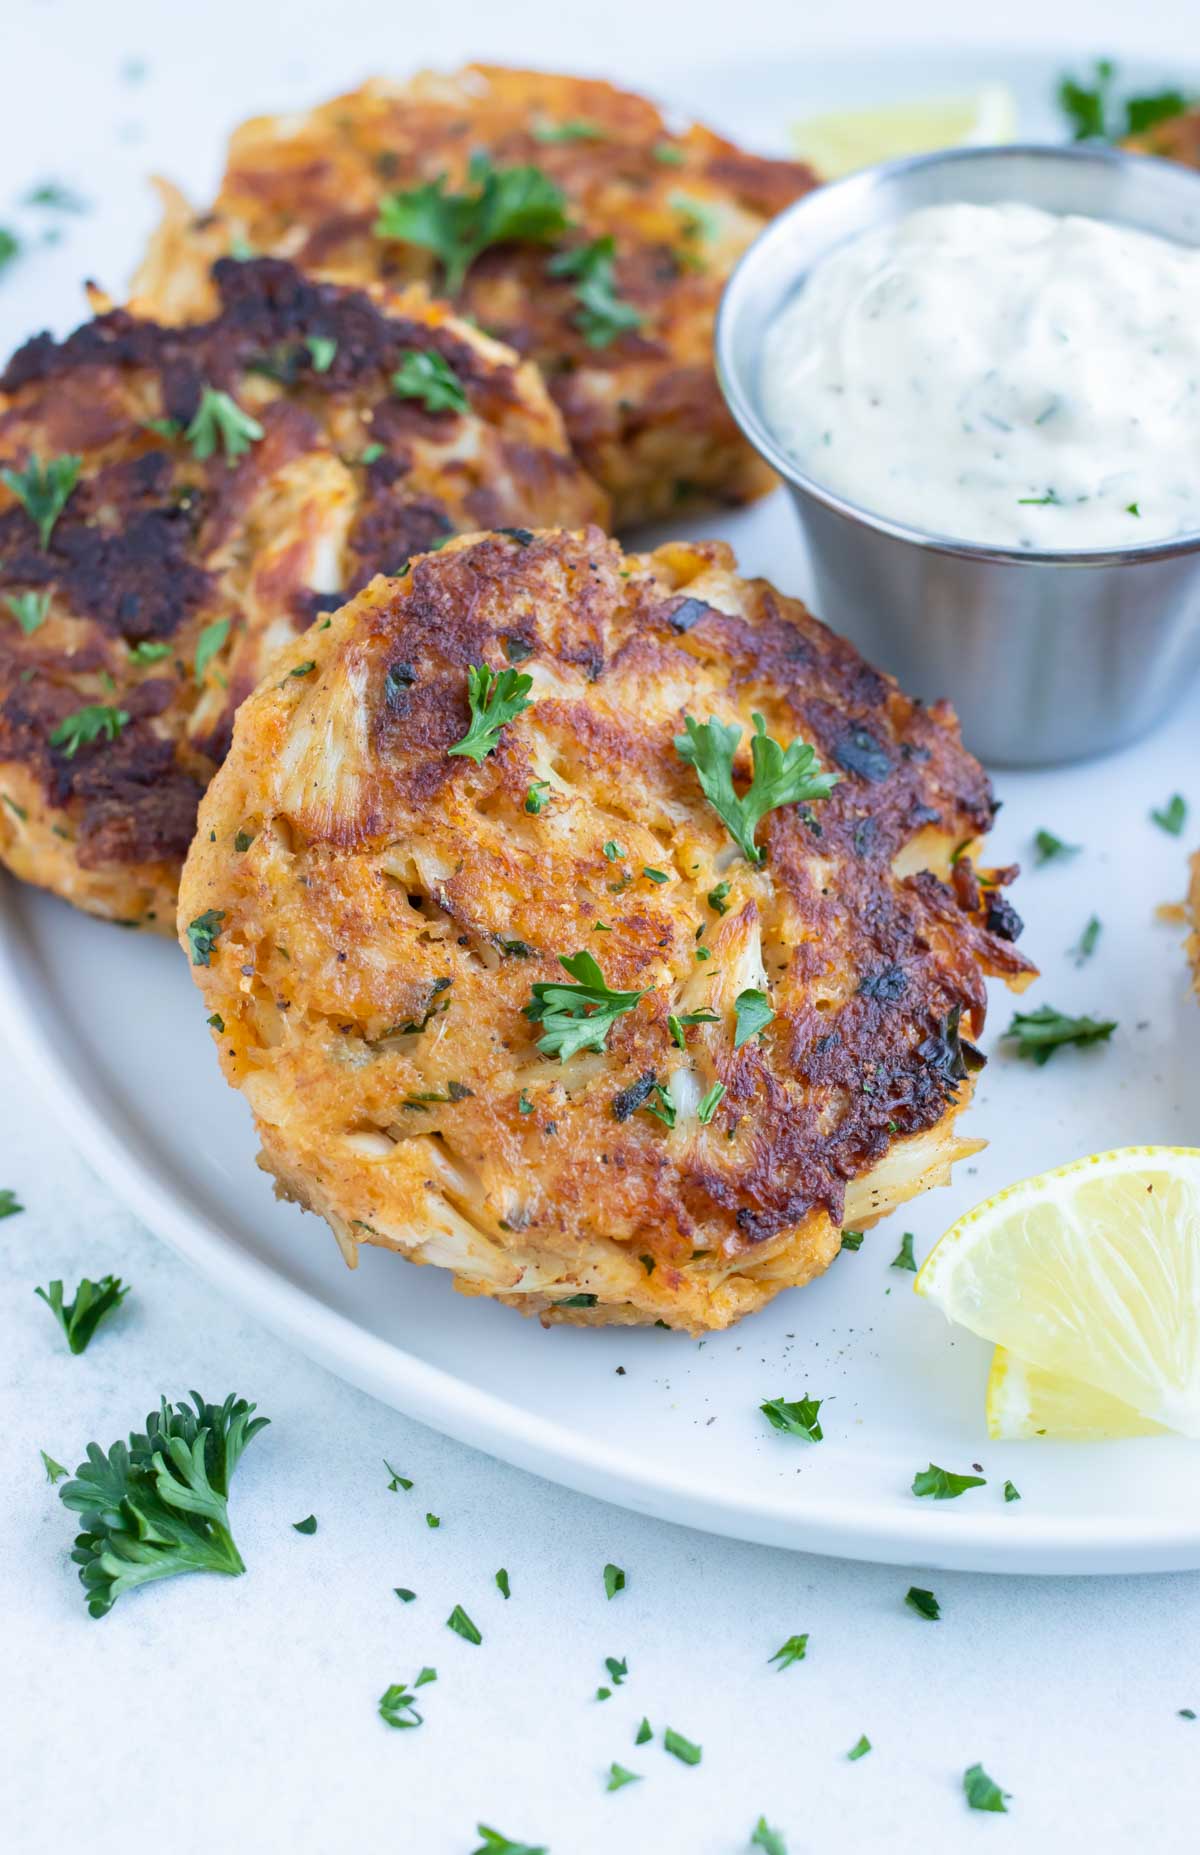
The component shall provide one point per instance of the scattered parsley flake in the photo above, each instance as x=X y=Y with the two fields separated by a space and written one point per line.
x=427 y=377
x=534 y=802
x=860 y=1748
x=793 y=1650
x=1047 y=847
x=53 y=197
x=716 y=898
x=496 y=1844
x=943 y=1484
x=712 y=1101
x=147 y=651
x=404 y=1594
x=10 y=1204
x=668 y=154
x=577 y=1017
x=461 y=1624
x=904 y=1259
x=398 y=1708
x=923 y=1602
x=1187 y=1713
x=54 y=1470
x=644 y=1733
x=495 y=699
x=431 y=1520
x=982 y=1792
x=220 y=424
x=617 y=1670
x=780 y=776
x=10 y=247
x=654 y=875
x=501 y=205
x=308 y=1526
x=398 y=1480
x=602 y=315
x=752 y=1012
x=1038 y=1034
x=575 y=129
x=681 y=1748
x=322 y=348
x=852 y=1239
x=765 y=1837
x=524 y=1105
x=795 y=1419
x=613 y=850
x=1087 y=941
x=80 y=1318
x=614 y=1580
x=618 y=1777
x=502 y=1584
x=29 y=609
x=44 y=490
x=1173 y=815
x=202 y=934
x=211 y=640
x=1011 y=1491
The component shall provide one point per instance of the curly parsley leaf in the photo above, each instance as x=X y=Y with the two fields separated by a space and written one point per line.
x=202 y=934
x=29 y=609
x=614 y=1580
x=982 y=1792
x=495 y=699
x=752 y=1012
x=500 y=205
x=681 y=1748
x=1173 y=815
x=943 y=1484
x=157 y=1507
x=780 y=776
x=602 y=315
x=80 y=1318
x=923 y=1602
x=793 y=1650
x=795 y=1419
x=427 y=377
x=765 y=1837
x=577 y=1017
x=43 y=490
x=92 y=723
x=461 y=1624
x=221 y=425
x=1038 y=1034
x=496 y=1844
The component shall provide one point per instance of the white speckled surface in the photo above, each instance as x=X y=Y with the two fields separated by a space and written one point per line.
x=209 y=1714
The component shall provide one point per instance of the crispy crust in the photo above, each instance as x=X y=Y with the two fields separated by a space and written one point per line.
x=1176 y=139
x=379 y=937
x=644 y=413
x=154 y=545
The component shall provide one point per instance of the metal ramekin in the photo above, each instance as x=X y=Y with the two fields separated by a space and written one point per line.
x=1046 y=656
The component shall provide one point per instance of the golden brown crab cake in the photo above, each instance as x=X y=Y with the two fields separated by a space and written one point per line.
x=765 y=1049
x=219 y=484
x=571 y=222
x=1176 y=138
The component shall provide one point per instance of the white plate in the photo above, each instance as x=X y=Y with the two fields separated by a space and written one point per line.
x=111 y=1026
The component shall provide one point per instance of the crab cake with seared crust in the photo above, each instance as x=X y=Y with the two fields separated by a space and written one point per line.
x=562 y=214
x=760 y=1033
x=1176 y=138
x=177 y=503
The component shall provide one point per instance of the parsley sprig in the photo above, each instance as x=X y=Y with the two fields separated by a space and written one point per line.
x=157 y=1507
x=80 y=1318
x=799 y=1418
x=982 y=1792
x=499 y=205
x=944 y=1484
x=29 y=609
x=781 y=776
x=495 y=699
x=1038 y=1034
x=43 y=490
x=221 y=425
x=1094 y=112
x=577 y=1017
x=602 y=315
x=94 y=722
x=427 y=377
x=496 y=1844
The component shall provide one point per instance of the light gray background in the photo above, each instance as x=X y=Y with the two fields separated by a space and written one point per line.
x=217 y=1715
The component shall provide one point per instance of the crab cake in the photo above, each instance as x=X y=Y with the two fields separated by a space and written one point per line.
x=1176 y=138
x=563 y=215
x=508 y=993
x=177 y=503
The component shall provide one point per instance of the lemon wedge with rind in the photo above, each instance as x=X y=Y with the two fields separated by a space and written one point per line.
x=1090 y=1273
x=845 y=140
x=1027 y=1401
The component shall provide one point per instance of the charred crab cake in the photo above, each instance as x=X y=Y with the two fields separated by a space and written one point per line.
x=176 y=503
x=598 y=927
x=563 y=215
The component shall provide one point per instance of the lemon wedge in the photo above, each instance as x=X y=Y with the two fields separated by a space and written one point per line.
x=849 y=139
x=1026 y=1400
x=1089 y=1274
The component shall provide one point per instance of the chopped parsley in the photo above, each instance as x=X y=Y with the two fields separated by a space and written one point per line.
x=80 y=1318
x=495 y=699
x=502 y=1584
x=91 y=723
x=427 y=377
x=1051 y=500
x=322 y=348
x=1173 y=815
x=716 y=898
x=653 y=875
x=301 y=669
x=852 y=1239
x=1038 y=1034
x=307 y=1527
x=860 y=1748
x=618 y=1777
x=54 y=1470
x=644 y=1733
x=432 y=1521
x=575 y=129
x=614 y=1580
x=982 y=1792
x=668 y=155
x=43 y=490
x=1047 y=847
x=700 y=221
x=404 y=1594
x=577 y=1017
x=157 y=1507
x=710 y=1102
x=1011 y=1491
x=147 y=651
x=534 y=802
x=29 y=609
x=904 y=1259
x=10 y=247
x=1087 y=941
x=500 y=205
x=398 y=1707
x=923 y=1602
x=943 y=1484
x=495 y=1844
x=602 y=315
x=781 y=776
x=524 y=1105
x=202 y=934
x=10 y=1204
x=221 y=425
x=398 y=1480
x=461 y=1624
x=765 y=1837
x=208 y=644
x=793 y=1650
x=677 y=1025
x=681 y=1748
x=53 y=197
x=613 y=851
x=799 y=1418
x=1095 y=114
x=753 y=1013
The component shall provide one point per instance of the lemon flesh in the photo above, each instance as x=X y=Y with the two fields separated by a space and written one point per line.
x=1026 y=1401
x=1090 y=1273
x=846 y=140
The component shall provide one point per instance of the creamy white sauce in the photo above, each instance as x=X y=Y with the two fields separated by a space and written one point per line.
x=998 y=374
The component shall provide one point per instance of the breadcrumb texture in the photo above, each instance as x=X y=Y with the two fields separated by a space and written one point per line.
x=382 y=909
x=644 y=413
x=155 y=545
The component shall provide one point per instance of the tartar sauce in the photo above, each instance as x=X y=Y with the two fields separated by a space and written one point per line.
x=998 y=374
